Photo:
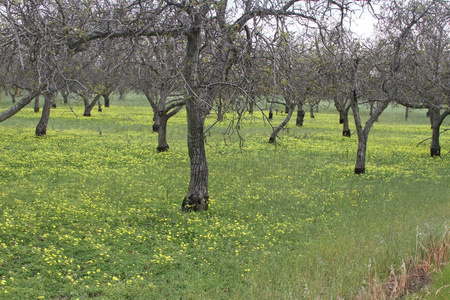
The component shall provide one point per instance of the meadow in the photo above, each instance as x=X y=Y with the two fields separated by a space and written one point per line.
x=92 y=211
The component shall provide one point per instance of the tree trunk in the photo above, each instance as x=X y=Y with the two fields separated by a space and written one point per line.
x=197 y=197
x=360 y=165
x=311 y=111
x=36 y=104
x=41 y=128
x=107 y=99
x=88 y=107
x=363 y=133
x=156 y=121
x=300 y=115
x=270 y=113
x=19 y=105
x=277 y=129
x=162 y=133
x=406 y=113
x=65 y=95
x=220 y=110
x=53 y=99
x=343 y=119
x=435 y=149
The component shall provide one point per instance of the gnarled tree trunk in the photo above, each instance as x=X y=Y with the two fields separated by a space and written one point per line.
x=197 y=197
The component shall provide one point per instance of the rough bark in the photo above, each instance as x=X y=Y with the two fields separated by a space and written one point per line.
x=88 y=106
x=19 y=105
x=300 y=115
x=197 y=197
x=36 y=104
x=41 y=128
x=162 y=134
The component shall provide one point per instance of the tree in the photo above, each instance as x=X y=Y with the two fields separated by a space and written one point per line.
x=158 y=78
x=64 y=28
x=424 y=80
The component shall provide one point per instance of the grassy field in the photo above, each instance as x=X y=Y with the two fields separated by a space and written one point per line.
x=92 y=211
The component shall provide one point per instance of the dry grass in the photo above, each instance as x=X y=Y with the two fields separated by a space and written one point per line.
x=413 y=274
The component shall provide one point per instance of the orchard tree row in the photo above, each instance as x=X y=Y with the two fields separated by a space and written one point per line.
x=217 y=56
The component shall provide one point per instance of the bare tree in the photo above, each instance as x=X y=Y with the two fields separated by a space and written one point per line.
x=424 y=80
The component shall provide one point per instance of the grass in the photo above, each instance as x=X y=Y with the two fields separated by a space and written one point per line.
x=91 y=211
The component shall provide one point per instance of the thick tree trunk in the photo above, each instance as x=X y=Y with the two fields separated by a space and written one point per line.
x=162 y=134
x=88 y=106
x=277 y=129
x=36 y=104
x=19 y=105
x=197 y=197
x=41 y=128
x=435 y=149
x=300 y=115
x=156 y=121
x=107 y=99
x=360 y=165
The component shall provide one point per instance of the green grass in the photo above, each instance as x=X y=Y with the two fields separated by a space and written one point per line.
x=91 y=211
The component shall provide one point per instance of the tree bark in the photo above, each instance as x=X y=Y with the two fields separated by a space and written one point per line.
x=107 y=99
x=300 y=115
x=162 y=134
x=197 y=197
x=436 y=119
x=36 y=104
x=88 y=106
x=343 y=119
x=363 y=132
x=19 y=105
x=41 y=128
x=270 y=113
x=311 y=111
x=277 y=129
